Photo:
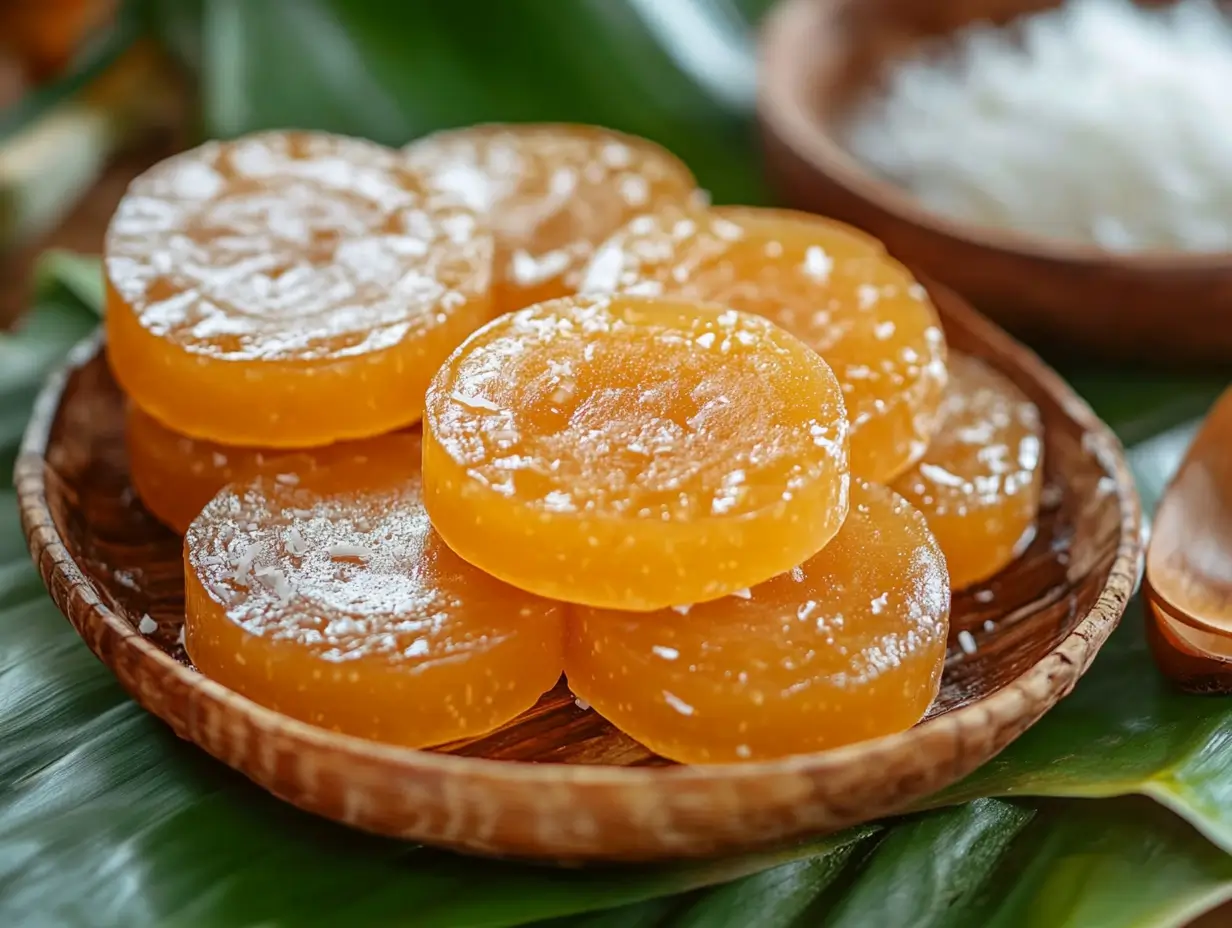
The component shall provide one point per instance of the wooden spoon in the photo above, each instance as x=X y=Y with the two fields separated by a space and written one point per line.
x=1189 y=562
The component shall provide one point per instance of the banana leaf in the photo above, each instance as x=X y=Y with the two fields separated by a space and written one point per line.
x=1175 y=748
x=988 y=864
x=106 y=818
x=682 y=72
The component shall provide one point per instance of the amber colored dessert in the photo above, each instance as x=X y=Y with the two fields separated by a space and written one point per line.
x=288 y=289
x=979 y=483
x=831 y=286
x=331 y=599
x=631 y=453
x=552 y=192
x=848 y=646
x=175 y=476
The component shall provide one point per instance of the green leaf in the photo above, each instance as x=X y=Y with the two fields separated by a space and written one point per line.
x=249 y=45
x=106 y=818
x=774 y=899
x=649 y=914
x=991 y=864
x=1124 y=729
x=397 y=70
x=146 y=798
x=61 y=273
x=105 y=813
x=927 y=866
x=41 y=339
x=60 y=319
x=112 y=820
x=1140 y=404
x=988 y=864
x=1115 y=864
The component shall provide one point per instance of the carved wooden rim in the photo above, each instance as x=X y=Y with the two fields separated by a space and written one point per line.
x=578 y=812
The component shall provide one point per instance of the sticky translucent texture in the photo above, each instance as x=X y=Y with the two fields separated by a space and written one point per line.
x=333 y=601
x=552 y=193
x=289 y=289
x=848 y=646
x=979 y=483
x=634 y=453
x=833 y=287
x=175 y=476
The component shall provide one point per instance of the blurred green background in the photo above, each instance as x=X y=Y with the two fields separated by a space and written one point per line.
x=105 y=819
x=681 y=72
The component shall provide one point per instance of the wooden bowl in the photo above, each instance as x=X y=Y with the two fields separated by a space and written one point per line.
x=817 y=56
x=559 y=782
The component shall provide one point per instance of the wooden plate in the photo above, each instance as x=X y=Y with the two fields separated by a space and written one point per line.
x=559 y=782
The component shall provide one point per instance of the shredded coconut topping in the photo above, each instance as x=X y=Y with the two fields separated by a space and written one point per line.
x=1098 y=121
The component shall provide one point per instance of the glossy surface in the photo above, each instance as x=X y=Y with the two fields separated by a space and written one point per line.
x=846 y=647
x=552 y=193
x=979 y=482
x=331 y=599
x=175 y=476
x=832 y=286
x=635 y=454
x=289 y=289
x=106 y=564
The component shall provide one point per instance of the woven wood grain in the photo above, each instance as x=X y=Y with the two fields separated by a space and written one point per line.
x=559 y=783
